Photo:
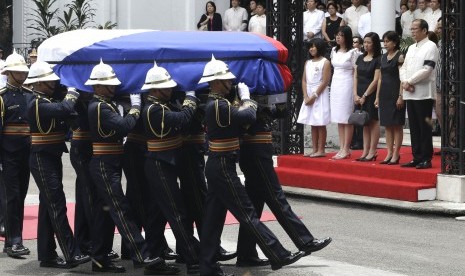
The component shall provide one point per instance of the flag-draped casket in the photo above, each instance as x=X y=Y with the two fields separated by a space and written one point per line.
x=255 y=59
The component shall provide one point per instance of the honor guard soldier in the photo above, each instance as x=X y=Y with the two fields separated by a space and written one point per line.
x=46 y=121
x=192 y=176
x=262 y=186
x=80 y=155
x=107 y=129
x=147 y=214
x=15 y=148
x=163 y=126
x=224 y=124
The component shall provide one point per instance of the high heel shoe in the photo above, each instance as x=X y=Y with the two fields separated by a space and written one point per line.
x=386 y=161
x=343 y=156
x=373 y=158
x=394 y=162
x=361 y=158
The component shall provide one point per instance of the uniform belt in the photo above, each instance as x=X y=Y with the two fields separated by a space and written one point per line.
x=194 y=139
x=45 y=139
x=259 y=138
x=81 y=135
x=222 y=145
x=107 y=148
x=16 y=129
x=164 y=143
x=137 y=138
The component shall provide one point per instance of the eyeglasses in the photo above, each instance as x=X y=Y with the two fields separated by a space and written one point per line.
x=413 y=29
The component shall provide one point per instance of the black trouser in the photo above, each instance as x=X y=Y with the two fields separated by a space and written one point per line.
x=47 y=170
x=193 y=184
x=86 y=203
x=421 y=136
x=225 y=192
x=16 y=180
x=106 y=171
x=139 y=199
x=163 y=186
x=262 y=186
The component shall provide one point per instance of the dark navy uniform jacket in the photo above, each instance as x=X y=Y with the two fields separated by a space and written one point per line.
x=257 y=139
x=164 y=124
x=47 y=122
x=14 y=128
x=107 y=125
x=81 y=132
x=225 y=123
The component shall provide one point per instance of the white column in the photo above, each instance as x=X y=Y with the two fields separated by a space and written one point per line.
x=383 y=16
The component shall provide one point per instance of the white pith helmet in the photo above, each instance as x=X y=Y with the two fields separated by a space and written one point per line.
x=15 y=62
x=158 y=77
x=40 y=71
x=216 y=70
x=102 y=74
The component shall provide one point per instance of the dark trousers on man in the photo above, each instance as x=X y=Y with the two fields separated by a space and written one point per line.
x=106 y=172
x=140 y=201
x=262 y=186
x=225 y=192
x=163 y=186
x=47 y=170
x=421 y=136
x=16 y=176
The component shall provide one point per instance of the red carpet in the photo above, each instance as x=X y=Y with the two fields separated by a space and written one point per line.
x=360 y=178
x=31 y=212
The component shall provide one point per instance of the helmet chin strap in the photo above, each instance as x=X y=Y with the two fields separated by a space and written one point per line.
x=16 y=81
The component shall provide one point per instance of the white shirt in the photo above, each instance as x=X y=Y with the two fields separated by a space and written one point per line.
x=364 y=24
x=419 y=70
x=406 y=22
x=257 y=24
x=352 y=15
x=422 y=14
x=235 y=19
x=312 y=22
x=432 y=19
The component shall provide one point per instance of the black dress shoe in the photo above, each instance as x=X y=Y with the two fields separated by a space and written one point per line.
x=80 y=259
x=17 y=250
x=57 y=263
x=146 y=262
x=169 y=254
x=411 y=164
x=2 y=230
x=224 y=255
x=112 y=255
x=251 y=262
x=315 y=245
x=424 y=165
x=108 y=267
x=159 y=267
x=294 y=257
x=193 y=269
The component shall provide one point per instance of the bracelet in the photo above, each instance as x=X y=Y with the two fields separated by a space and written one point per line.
x=365 y=95
x=315 y=94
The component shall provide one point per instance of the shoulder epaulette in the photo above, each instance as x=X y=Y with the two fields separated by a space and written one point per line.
x=3 y=90
x=26 y=89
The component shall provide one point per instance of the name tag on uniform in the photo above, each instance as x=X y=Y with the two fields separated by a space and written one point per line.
x=13 y=106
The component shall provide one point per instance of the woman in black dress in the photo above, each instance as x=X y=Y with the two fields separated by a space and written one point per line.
x=366 y=78
x=389 y=97
x=331 y=25
x=210 y=20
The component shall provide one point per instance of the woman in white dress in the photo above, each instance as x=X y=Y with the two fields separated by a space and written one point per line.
x=343 y=58
x=315 y=107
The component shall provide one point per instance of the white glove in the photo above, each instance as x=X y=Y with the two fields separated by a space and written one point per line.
x=243 y=91
x=190 y=93
x=135 y=99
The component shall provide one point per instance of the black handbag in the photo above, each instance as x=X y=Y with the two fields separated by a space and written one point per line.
x=359 y=117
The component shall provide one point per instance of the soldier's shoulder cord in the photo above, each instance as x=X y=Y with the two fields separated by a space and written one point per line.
x=3 y=90
x=27 y=89
x=2 y=103
x=161 y=134
x=39 y=126
x=217 y=113
x=99 y=126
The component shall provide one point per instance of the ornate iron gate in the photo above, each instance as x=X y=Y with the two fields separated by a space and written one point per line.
x=453 y=94
x=285 y=23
